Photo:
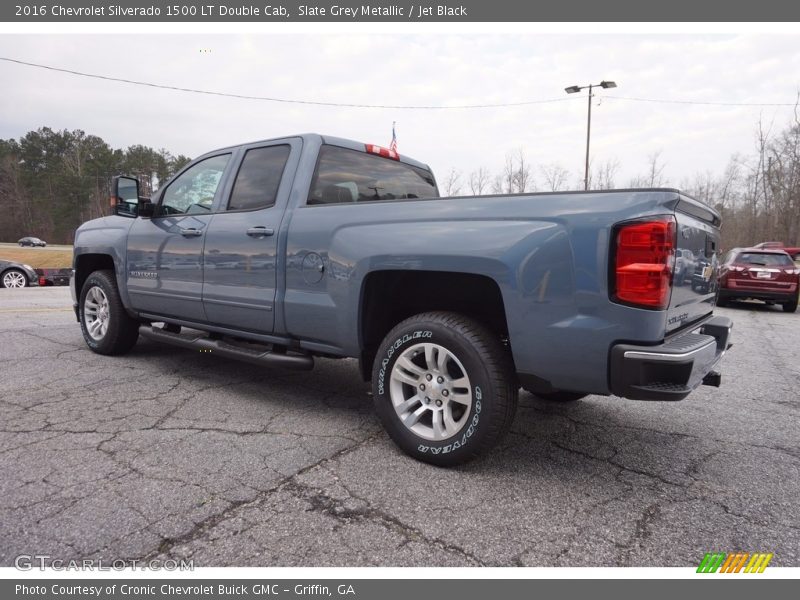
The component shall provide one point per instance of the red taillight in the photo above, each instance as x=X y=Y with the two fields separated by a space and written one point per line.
x=643 y=262
x=384 y=152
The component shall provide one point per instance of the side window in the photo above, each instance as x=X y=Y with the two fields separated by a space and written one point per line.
x=345 y=175
x=259 y=177
x=194 y=189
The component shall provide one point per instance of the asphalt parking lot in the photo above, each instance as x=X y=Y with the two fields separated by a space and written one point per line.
x=169 y=453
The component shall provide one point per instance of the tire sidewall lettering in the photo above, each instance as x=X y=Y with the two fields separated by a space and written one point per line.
x=467 y=434
x=393 y=347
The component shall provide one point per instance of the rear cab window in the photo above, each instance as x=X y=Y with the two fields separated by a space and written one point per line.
x=346 y=176
x=764 y=259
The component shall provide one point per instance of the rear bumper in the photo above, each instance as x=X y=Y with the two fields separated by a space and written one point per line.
x=775 y=295
x=670 y=371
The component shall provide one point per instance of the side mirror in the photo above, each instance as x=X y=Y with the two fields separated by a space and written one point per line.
x=125 y=196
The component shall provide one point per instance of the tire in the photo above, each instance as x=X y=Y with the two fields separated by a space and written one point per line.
x=14 y=278
x=559 y=396
x=722 y=302
x=790 y=306
x=470 y=394
x=106 y=327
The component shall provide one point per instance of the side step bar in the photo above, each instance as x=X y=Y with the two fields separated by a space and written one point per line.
x=256 y=356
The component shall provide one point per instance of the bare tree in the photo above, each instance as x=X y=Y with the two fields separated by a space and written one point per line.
x=479 y=181
x=606 y=174
x=521 y=179
x=504 y=183
x=452 y=183
x=555 y=177
x=653 y=176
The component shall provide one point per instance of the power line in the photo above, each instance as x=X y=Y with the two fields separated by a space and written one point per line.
x=271 y=99
x=698 y=102
x=391 y=106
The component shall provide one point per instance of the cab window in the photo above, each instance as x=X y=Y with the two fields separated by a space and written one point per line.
x=258 y=179
x=346 y=176
x=193 y=191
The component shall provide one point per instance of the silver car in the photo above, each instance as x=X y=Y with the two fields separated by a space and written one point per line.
x=17 y=275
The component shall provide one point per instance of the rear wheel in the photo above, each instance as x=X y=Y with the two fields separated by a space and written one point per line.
x=106 y=327
x=444 y=387
x=790 y=306
x=14 y=278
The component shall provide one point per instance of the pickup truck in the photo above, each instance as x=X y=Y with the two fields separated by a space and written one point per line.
x=280 y=251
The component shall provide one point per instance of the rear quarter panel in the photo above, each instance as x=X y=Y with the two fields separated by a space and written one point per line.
x=548 y=254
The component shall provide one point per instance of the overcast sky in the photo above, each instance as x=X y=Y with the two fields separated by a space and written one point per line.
x=430 y=69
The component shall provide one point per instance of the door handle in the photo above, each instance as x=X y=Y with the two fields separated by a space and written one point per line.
x=191 y=232
x=260 y=231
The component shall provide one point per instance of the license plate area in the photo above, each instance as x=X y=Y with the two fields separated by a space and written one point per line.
x=763 y=275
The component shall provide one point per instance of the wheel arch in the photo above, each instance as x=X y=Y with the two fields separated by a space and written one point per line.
x=86 y=264
x=391 y=296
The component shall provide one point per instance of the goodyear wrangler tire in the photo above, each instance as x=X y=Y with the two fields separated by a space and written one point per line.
x=106 y=327
x=444 y=387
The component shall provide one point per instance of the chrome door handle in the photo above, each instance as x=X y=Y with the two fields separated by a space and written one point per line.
x=191 y=232
x=260 y=231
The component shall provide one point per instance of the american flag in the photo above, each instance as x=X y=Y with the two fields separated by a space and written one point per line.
x=393 y=144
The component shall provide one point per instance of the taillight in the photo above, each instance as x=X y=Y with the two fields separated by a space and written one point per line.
x=643 y=258
x=380 y=151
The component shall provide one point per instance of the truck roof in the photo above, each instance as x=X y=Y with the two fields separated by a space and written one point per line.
x=325 y=139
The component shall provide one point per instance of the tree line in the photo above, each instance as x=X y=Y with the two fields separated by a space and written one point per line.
x=52 y=181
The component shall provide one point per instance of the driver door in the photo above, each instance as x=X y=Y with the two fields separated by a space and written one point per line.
x=165 y=252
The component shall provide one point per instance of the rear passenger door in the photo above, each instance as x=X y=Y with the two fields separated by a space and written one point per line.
x=240 y=258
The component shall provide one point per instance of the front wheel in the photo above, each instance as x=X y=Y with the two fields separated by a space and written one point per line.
x=444 y=387
x=106 y=327
x=14 y=278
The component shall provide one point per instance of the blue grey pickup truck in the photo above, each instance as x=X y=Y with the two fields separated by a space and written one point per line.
x=280 y=251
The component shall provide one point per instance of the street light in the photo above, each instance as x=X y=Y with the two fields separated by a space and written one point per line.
x=574 y=89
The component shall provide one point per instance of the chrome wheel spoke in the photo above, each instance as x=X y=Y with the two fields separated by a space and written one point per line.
x=408 y=404
x=461 y=398
x=412 y=418
x=430 y=353
x=441 y=361
x=449 y=424
x=438 y=424
x=404 y=363
x=462 y=383
x=95 y=326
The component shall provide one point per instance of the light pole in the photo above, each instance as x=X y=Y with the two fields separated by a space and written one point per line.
x=573 y=89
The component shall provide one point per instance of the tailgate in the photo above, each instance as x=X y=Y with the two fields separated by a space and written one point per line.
x=694 y=282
